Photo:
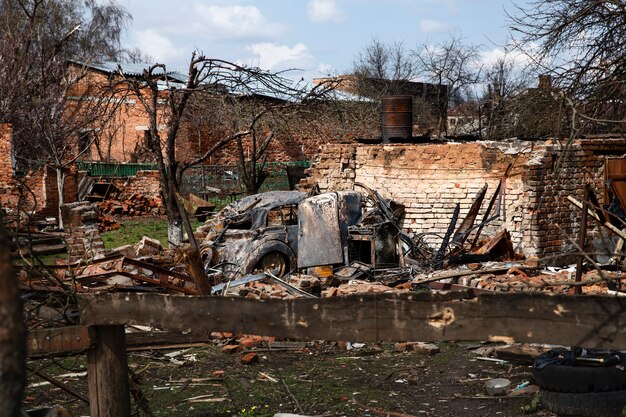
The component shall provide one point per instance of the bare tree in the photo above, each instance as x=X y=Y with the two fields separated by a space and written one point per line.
x=67 y=121
x=383 y=69
x=581 y=44
x=38 y=37
x=136 y=56
x=505 y=84
x=270 y=120
x=453 y=67
x=167 y=103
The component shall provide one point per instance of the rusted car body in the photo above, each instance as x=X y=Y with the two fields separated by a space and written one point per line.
x=282 y=231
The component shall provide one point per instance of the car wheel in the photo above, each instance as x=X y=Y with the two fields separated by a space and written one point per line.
x=273 y=262
x=591 y=404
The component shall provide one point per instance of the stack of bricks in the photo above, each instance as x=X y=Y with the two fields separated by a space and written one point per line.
x=430 y=179
x=81 y=221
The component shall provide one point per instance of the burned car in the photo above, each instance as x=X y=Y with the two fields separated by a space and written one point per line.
x=283 y=231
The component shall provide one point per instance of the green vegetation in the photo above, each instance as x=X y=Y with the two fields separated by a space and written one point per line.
x=533 y=404
x=132 y=231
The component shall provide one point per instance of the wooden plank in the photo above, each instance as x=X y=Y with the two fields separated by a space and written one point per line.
x=59 y=340
x=589 y=321
x=615 y=172
x=165 y=338
x=107 y=373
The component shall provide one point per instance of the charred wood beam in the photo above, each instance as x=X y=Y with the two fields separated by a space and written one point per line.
x=58 y=384
x=439 y=257
x=589 y=321
x=466 y=225
x=486 y=218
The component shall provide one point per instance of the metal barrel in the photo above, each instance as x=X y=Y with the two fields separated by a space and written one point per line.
x=397 y=118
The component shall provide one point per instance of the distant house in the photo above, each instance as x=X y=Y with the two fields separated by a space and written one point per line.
x=464 y=120
x=429 y=100
x=124 y=138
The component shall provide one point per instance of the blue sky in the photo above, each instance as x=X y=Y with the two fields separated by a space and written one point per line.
x=320 y=37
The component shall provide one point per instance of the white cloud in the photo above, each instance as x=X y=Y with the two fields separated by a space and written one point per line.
x=490 y=57
x=433 y=26
x=325 y=69
x=157 y=46
x=270 y=56
x=235 y=22
x=324 y=11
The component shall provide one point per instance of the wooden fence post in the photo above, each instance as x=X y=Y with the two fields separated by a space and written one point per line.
x=107 y=373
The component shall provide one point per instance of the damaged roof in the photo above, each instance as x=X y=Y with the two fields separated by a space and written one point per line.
x=300 y=88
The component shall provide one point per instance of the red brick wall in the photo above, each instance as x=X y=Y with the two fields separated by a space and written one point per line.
x=120 y=139
x=553 y=222
x=36 y=191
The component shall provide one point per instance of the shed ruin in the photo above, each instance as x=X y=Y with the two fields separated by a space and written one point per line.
x=537 y=178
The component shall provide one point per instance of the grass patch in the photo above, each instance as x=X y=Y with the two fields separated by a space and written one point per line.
x=131 y=231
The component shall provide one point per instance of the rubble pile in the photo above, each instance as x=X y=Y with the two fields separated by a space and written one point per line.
x=134 y=205
x=249 y=250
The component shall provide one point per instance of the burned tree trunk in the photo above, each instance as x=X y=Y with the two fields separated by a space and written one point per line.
x=12 y=335
x=61 y=192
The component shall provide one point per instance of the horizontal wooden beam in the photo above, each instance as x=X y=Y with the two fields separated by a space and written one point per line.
x=59 y=340
x=589 y=321
x=73 y=339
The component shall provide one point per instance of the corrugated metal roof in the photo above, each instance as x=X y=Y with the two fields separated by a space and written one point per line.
x=177 y=79
x=130 y=69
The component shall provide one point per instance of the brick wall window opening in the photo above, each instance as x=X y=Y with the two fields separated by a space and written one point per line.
x=146 y=139
x=84 y=144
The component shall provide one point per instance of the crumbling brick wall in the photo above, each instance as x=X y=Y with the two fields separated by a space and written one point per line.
x=145 y=183
x=429 y=179
x=555 y=172
x=81 y=222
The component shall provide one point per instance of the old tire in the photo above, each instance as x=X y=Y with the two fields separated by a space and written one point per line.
x=580 y=379
x=591 y=404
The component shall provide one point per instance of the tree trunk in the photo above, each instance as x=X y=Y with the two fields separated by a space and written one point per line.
x=12 y=336
x=174 y=231
x=60 y=191
x=174 y=219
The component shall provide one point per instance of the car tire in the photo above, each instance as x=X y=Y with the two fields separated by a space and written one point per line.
x=275 y=262
x=253 y=262
x=580 y=379
x=591 y=404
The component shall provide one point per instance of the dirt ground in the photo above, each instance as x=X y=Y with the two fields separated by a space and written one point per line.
x=321 y=379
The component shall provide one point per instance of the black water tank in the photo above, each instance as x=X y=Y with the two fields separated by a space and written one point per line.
x=397 y=118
